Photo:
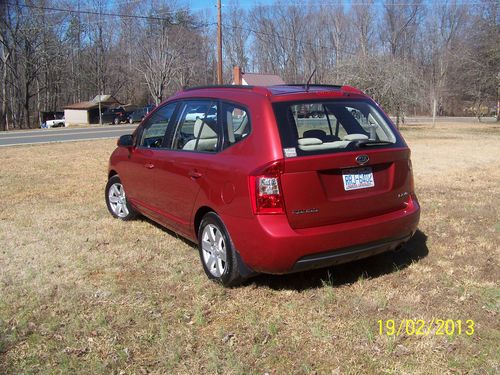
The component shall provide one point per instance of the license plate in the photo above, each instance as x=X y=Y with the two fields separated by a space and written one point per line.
x=358 y=178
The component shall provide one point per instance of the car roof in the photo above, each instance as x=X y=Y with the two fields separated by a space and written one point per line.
x=277 y=93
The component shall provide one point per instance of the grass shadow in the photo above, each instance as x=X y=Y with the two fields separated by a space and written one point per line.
x=378 y=265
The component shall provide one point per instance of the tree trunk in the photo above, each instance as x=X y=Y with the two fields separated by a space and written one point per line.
x=434 y=109
x=5 y=121
x=498 y=103
x=398 y=115
x=26 y=106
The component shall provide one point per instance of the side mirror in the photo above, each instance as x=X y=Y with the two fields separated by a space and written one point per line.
x=125 y=141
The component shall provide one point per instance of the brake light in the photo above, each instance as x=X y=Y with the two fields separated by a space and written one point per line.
x=265 y=189
x=410 y=171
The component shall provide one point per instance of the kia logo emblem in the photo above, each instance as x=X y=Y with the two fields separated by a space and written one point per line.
x=362 y=159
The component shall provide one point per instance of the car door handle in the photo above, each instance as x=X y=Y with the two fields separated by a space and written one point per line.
x=194 y=174
x=149 y=166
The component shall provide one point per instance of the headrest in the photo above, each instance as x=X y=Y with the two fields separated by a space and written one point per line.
x=203 y=125
x=354 y=137
x=310 y=141
x=315 y=133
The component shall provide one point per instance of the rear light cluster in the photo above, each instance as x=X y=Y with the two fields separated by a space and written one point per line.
x=265 y=183
x=412 y=182
x=410 y=171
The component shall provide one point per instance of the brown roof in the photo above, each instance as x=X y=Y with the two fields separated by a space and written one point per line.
x=106 y=101
x=257 y=79
x=82 y=105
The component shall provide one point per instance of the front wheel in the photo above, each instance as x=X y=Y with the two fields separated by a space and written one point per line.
x=116 y=200
x=217 y=252
x=116 y=121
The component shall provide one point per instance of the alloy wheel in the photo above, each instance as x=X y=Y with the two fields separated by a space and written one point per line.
x=117 y=200
x=214 y=250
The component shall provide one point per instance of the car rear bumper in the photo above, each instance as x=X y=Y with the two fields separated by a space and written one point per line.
x=349 y=254
x=267 y=243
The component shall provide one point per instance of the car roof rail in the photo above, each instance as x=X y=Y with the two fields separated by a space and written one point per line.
x=248 y=87
x=312 y=85
x=263 y=90
x=300 y=87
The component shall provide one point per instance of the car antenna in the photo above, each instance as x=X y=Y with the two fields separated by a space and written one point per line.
x=306 y=86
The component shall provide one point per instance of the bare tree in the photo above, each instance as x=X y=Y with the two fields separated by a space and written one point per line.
x=236 y=35
x=9 y=29
x=158 y=64
x=363 y=17
x=445 y=25
x=411 y=56
x=399 y=26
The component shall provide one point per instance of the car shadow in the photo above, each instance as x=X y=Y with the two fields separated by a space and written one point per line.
x=347 y=273
x=375 y=266
x=168 y=231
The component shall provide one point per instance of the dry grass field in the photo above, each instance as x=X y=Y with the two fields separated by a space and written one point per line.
x=83 y=293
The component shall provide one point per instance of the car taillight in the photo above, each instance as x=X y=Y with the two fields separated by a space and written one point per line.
x=265 y=188
x=410 y=171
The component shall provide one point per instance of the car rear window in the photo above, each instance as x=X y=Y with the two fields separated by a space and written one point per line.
x=332 y=126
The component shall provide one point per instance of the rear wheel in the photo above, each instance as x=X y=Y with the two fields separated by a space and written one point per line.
x=116 y=200
x=116 y=121
x=217 y=252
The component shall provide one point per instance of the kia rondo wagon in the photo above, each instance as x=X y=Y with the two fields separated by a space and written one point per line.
x=275 y=180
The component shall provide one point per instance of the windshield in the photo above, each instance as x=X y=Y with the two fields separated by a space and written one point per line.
x=332 y=126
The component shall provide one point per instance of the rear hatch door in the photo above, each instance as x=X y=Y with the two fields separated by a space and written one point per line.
x=344 y=161
x=332 y=189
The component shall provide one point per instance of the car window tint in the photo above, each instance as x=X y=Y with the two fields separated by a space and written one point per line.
x=197 y=128
x=314 y=120
x=332 y=126
x=156 y=126
x=236 y=123
x=329 y=122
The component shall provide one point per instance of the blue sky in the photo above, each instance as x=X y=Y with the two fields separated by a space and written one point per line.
x=199 y=5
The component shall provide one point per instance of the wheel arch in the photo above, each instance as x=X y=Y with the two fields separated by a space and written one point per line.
x=112 y=173
x=202 y=211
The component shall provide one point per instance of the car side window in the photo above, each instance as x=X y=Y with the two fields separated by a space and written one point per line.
x=154 y=129
x=198 y=127
x=236 y=123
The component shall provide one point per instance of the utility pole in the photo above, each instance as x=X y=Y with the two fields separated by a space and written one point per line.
x=219 y=43
x=99 y=67
x=79 y=57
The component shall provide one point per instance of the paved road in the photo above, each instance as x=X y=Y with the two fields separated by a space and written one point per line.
x=35 y=136
x=27 y=137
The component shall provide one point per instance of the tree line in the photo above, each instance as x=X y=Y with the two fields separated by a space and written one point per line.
x=413 y=56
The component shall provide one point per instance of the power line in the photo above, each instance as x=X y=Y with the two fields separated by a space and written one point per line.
x=375 y=2
x=282 y=37
x=95 y=13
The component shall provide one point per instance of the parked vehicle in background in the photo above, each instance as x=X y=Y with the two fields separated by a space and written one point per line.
x=115 y=115
x=55 y=123
x=139 y=114
x=263 y=187
x=308 y=111
x=196 y=113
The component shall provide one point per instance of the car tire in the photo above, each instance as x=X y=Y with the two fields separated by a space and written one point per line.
x=131 y=121
x=116 y=121
x=217 y=252
x=116 y=200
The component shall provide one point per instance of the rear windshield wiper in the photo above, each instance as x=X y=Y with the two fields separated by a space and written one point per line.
x=371 y=142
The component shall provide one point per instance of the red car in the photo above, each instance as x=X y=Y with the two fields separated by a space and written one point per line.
x=261 y=189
